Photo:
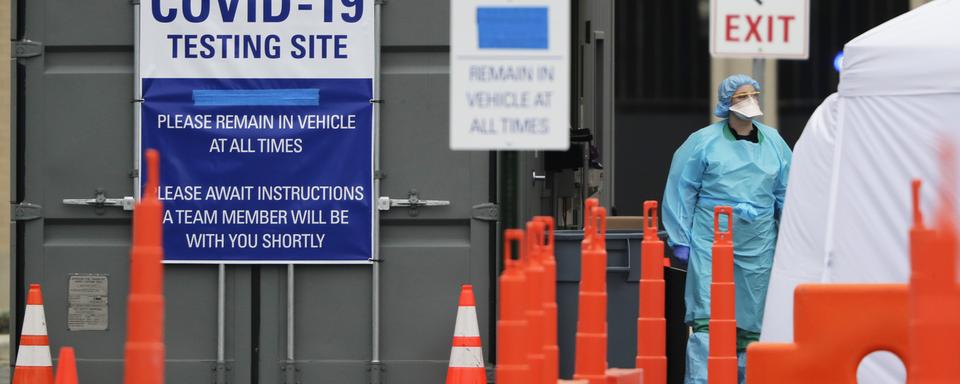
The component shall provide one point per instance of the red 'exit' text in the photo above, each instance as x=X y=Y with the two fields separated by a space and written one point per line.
x=758 y=28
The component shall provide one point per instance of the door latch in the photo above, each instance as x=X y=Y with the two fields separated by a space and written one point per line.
x=100 y=200
x=413 y=202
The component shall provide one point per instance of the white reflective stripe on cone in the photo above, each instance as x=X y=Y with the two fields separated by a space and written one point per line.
x=466 y=322
x=34 y=321
x=34 y=356
x=466 y=357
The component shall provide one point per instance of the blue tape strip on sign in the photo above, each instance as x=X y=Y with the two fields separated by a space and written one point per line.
x=256 y=97
x=512 y=27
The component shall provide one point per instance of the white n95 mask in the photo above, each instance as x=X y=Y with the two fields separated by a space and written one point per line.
x=747 y=109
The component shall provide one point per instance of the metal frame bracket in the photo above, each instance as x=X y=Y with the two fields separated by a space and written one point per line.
x=376 y=372
x=290 y=371
x=486 y=212
x=23 y=49
x=221 y=373
x=25 y=211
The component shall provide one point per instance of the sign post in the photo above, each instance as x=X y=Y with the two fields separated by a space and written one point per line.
x=509 y=74
x=760 y=29
x=261 y=111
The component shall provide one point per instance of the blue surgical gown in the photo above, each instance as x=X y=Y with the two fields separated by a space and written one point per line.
x=714 y=168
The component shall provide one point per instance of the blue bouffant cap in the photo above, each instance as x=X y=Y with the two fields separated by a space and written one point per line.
x=726 y=90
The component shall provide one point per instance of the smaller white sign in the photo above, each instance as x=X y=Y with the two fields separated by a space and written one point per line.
x=771 y=29
x=510 y=74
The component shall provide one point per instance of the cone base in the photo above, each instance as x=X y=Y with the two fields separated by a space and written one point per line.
x=654 y=369
x=722 y=370
x=625 y=376
x=466 y=376
x=33 y=375
x=592 y=379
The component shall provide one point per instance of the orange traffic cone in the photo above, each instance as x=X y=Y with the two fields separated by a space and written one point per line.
x=551 y=352
x=934 y=294
x=722 y=361
x=512 y=331
x=67 y=366
x=590 y=357
x=144 y=348
x=34 y=365
x=651 y=323
x=534 y=300
x=466 y=356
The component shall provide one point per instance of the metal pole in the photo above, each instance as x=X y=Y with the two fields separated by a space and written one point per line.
x=375 y=364
x=759 y=73
x=290 y=312
x=221 y=313
x=509 y=184
x=584 y=184
x=290 y=367
x=759 y=67
x=137 y=96
x=221 y=374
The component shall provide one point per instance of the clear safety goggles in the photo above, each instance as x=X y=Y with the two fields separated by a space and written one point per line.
x=738 y=97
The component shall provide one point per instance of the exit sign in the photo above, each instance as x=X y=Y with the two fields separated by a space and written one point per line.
x=771 y=29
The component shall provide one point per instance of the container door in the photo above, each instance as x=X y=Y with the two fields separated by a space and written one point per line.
x=427 y=252
x=73 y=136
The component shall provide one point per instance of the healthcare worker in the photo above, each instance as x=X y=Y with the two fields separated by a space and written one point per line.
x=744 y=164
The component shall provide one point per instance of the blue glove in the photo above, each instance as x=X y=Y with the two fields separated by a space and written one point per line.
x=681 y=253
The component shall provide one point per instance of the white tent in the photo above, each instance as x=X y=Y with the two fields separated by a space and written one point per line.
x=899 y=100
x=799 y=255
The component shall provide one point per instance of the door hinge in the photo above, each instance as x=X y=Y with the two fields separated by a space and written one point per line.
x=25 y=211
x=23 y=49
x=486 y=212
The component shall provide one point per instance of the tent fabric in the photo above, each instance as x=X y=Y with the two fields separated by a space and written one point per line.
x=884 y=142
x=898 y=103
x=799 y=256
x=915 y=53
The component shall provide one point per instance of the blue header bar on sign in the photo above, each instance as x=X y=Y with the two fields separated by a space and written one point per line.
x=512 y=27
x=256 y=97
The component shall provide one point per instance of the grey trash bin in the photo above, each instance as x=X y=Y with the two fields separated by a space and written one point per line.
x=623 y=276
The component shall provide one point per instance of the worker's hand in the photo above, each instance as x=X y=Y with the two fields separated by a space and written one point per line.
x=681 y=253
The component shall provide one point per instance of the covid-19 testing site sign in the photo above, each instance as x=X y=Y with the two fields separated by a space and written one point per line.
x=261 y=111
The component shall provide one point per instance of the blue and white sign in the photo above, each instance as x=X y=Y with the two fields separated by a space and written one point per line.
x=261 y=111
x=509 y=74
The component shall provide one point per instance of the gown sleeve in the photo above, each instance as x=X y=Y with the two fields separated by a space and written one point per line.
x=682 y=190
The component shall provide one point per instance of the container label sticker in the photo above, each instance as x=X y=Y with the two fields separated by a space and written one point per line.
x=88 y=302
